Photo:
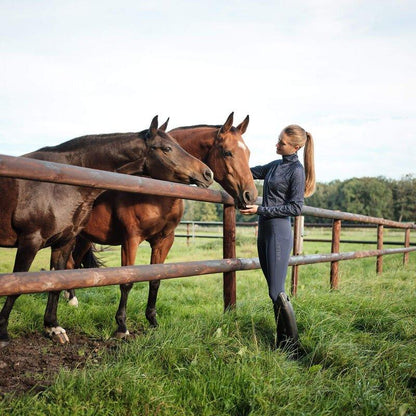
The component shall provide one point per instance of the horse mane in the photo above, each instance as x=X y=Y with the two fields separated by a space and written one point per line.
x=90 y=140
x=196 y=126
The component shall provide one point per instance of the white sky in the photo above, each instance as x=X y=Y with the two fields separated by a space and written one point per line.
x=345 y=70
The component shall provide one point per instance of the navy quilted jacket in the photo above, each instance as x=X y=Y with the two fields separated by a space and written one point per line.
x=283 y=187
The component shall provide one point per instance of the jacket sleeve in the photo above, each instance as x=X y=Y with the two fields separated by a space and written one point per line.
x=259 y=172
x=294 y=204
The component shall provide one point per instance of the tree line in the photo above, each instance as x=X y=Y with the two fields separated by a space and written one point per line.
x=376 y=197
x=373 y=196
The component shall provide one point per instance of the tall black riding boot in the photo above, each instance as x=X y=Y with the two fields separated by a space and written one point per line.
x=287 y=330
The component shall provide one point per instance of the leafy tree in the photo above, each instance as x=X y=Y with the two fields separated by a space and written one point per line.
x=200 y=211
x=325 y=196
x=367 y=196
x=404 y=194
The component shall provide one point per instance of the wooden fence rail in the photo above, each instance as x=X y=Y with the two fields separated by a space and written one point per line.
x=192 y=232
x=43 y=281
x=337 y=217
x=32 y=282
x=26 y=168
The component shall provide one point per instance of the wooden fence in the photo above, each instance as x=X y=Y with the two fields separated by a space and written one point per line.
x=32 y=282
x=334 y=257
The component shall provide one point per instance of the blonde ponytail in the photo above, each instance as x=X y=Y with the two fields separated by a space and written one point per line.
x=297 y=136
x=309 y=164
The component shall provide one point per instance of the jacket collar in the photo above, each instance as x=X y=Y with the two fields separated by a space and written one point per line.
x=290 y=158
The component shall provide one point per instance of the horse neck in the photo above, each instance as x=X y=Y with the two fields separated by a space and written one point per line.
x=197 y=141
x=105 y=152
x=112 y=154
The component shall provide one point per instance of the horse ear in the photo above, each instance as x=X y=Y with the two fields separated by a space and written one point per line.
x=164 y=126
x=153 y=128
x=228 y=124
x=242 y=127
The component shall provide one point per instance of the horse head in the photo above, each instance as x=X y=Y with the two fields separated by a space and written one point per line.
x=229 y=160
x=167 y=160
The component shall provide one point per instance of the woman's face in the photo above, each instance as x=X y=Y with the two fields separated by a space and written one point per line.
x=283 y=147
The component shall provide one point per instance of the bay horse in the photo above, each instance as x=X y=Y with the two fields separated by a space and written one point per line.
x=34 y=215
x=126 y=219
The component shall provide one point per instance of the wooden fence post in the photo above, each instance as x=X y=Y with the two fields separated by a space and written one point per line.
x=188 y=237
x=406 y=244
x=379 y=263
x=336 y=234
x=297 y=249
x=229 y=278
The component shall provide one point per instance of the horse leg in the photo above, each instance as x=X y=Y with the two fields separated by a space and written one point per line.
x=26 y=252
x=160 y=250
x=121 y=314
x=74 y=262
x=71 y=297
x=59 y=260
x=52 y=327
x=70 y=293
x=128 y=257
x=4 y=320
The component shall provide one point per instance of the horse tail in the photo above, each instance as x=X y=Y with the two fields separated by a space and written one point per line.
x=90 y=259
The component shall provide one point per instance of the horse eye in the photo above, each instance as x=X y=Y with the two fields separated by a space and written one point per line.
x=226 y=153
x=153 y=147
x=167 y=149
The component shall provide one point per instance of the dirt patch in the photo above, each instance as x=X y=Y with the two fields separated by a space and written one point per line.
x=33 y=361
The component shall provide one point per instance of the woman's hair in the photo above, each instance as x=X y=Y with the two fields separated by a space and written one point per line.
x=297 y=136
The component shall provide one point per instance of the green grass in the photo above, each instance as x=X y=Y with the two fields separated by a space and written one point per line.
x=359 y=341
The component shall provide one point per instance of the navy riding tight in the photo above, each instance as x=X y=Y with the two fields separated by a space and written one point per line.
x=274 y=245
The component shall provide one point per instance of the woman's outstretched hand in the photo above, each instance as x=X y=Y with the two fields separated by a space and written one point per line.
x=249 y=210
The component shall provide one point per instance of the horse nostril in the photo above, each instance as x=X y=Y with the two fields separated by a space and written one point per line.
x=247 y=197
x=208 y=175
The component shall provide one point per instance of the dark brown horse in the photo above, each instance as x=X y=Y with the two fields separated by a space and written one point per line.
x=127 y=219
x=34 y=215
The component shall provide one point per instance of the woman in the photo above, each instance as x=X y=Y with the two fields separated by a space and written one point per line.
x=286 y=183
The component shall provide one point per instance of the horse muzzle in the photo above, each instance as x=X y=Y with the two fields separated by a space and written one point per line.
x=205 y=180
x=246 y=198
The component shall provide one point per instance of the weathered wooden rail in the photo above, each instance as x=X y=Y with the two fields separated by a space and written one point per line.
x=335 y=256
x=33 y=282
x=25 y=168
x=192 y=231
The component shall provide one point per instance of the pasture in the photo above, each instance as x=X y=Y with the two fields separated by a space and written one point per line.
x=359 y=342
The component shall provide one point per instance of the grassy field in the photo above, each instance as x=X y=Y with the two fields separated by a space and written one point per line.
x=359 y=341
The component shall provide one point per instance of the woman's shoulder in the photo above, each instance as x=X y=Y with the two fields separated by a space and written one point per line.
x=298 y=165
x=297 y=169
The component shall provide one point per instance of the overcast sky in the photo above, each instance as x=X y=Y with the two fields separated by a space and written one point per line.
x=344 y=70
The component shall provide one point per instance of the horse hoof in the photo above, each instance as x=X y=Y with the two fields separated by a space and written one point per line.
x=151 y=317
x=57 y=334
x=153 y=323
x=61 y=338
x=122 y=335
x=73 y=302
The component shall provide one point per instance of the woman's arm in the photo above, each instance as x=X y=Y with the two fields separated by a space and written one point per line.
x=259 y=172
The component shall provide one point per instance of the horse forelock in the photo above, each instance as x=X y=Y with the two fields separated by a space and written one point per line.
x=165 y=135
